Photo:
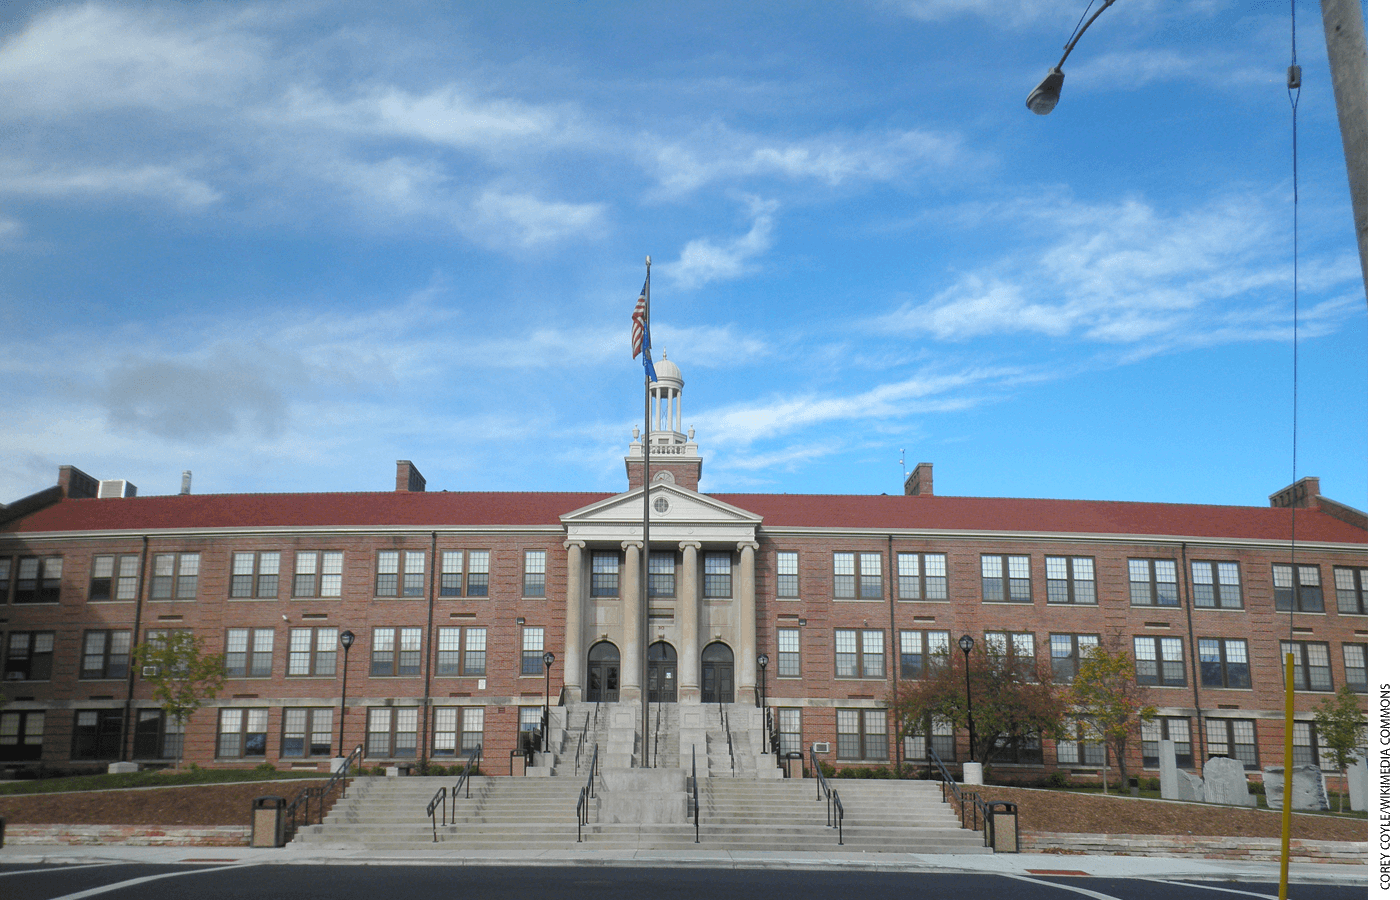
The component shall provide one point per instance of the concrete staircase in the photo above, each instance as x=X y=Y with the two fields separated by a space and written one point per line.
x=737 y=814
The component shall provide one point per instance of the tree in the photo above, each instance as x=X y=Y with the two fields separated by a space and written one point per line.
x=1011 y=699
x=184 y=675
x=1341 y=725
x=1109 y=703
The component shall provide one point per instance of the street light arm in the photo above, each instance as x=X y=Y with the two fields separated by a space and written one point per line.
x=1046 y=94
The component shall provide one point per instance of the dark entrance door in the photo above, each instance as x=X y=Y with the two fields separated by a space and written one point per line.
x=717 y=674
x=661 y=673
x=603 y=663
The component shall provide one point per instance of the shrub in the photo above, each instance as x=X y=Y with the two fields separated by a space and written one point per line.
x=265 y=768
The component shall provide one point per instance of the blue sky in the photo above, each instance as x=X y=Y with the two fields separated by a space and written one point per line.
x=285 y=244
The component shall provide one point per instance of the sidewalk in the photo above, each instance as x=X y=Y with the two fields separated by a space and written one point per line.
x=1026 y=864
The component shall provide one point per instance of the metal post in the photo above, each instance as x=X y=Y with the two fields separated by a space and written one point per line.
x=965 y=643
x=548 y=661
x=347 y=638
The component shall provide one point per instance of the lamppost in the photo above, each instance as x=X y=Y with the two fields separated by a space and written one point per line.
x=347 y=638
x=762 y=681
x=548 y=661
x=1047 y=93
x=965 y=645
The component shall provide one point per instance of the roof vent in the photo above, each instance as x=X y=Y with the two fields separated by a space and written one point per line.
x=114 y=488
x=185 y=481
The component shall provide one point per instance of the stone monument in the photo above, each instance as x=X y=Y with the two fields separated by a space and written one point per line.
x=1225 y=782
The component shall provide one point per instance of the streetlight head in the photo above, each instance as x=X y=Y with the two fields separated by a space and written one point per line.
x=1046 y=94
x=347 y=638
x=548 y=659
x=763 y=660
x=965 y=643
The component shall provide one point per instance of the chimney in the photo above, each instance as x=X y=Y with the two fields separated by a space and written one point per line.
x=76 y=484
x=920 y=481
x=1303 y=494
x=409 y=478
x=185 y=477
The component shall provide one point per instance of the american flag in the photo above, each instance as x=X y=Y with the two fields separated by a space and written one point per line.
x=641 y=334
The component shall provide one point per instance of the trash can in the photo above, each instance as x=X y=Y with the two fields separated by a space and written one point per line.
x=269 y=822
x=1003 y=820
x=794 y=764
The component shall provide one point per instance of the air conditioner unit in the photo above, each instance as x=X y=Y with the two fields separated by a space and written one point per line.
x=150 y=671
x=821 y=747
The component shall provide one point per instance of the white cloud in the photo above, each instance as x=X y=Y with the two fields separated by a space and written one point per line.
x=164 y=183
x=702 y=260
x=509 y=220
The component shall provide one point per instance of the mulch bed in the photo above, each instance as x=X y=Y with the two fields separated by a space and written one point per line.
x=206 y=804
x=1073 y=812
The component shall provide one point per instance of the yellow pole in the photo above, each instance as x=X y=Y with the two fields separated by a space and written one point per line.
x=1287 y=774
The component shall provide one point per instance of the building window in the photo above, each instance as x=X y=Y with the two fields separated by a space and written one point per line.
x=461 y=651
x=97 y=734
x=922 y=652
x=1216 y=584
x=318 y=573
x=255 y=574
x=1351 y=590
x=242 y=733
x=1019 y=750
x=1160 y=661
x=719 y=578
x=941 y=733
x=248 y=653
x=399 y=573
x=4 y=579
x=1178 y=731
x=790 y=731
x=1312 y=665
x=1006 y=579
x=860 y=653
x=158 y=736
x=176 y=576
x=534 y=573
x=1017 y=648
x=861 y=734
x=1067 y=651
x=1308 y=597
x=114 y=578
x=530 y=717
x=532 y=651
x=787 y=575
x=457 y=730
x=29 y=656
x=478 y=573
x=856 y=570
x=1224 y=663
x=21 y=735
x=311 y=651
x=306 y=732
x=106 y=654
x=661 y=580
x=450 y=584
x=396 y=651
x=923 y=576
x=1152 y=582
x=1354 y=666
x=38 y=578
x=392 y=732
x=1233 y=738
x=789 y=652
x=1078 y=748
x=605 y=569
x=1070 y=579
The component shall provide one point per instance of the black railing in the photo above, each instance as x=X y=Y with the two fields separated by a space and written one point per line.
x=465 y=779
x=695 y=793
x=433 y=806
x=582 y=739
x=981 y=810
x=585 y=794
x=835 y=812
x=728 y=738
x=656 y=737
x=770 y=731
x=301 y=804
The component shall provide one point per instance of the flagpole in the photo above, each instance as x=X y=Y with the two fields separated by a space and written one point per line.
x=645 y=630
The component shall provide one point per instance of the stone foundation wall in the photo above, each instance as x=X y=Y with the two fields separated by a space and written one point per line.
x=130 y=835
x=1205 y=847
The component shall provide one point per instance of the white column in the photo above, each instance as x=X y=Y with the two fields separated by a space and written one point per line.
x=688 y=599
x=747 y=663
x=574 y=649
x=633 y=651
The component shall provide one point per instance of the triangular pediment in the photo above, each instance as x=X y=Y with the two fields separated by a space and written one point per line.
x=677 y=514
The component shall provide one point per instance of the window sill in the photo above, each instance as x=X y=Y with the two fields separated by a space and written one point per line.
x=921 y=600
x=101 y=602
x=253 y=599
x=1229 y=609
x=1030 y=602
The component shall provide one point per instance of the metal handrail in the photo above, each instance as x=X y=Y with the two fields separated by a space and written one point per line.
x=656 y=737
x=465 y=778
x=585 y=792
x=729 y=739
x=302 y=801
x=433 y=805
x=835 y=812
x=582 y=739
x=695 y=793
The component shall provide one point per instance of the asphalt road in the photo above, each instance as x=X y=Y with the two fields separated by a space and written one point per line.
x=388 y=882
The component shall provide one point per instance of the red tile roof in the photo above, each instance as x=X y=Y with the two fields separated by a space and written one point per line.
x=508 y=508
